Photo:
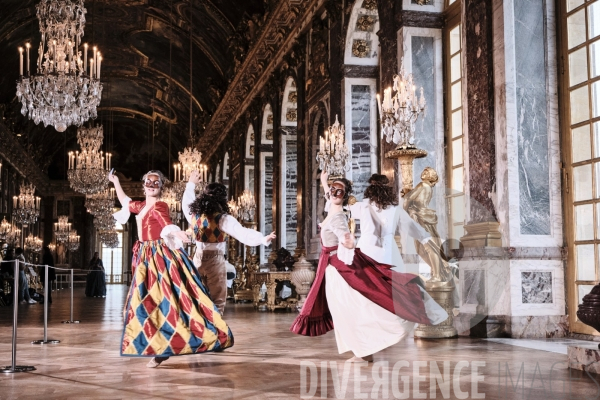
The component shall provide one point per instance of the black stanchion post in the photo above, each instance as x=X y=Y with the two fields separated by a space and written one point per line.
x=13 y=368
x=71 y=320
x=45 y=340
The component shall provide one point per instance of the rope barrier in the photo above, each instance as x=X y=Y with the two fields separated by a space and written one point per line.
x=13 y=368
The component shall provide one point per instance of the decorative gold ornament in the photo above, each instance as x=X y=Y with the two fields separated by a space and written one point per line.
x=422 y=2
x=252 y=136
x=365 y=23
x=291 y=114
x=251 y=150
x=293 y=97
x=269 y=134
x=370 y=5
x=270 y=119
x=361 y=48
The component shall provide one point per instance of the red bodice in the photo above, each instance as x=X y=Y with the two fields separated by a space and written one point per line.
x=156 y=218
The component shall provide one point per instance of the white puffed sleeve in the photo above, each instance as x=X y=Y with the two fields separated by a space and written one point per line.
x=171 y=240
x=189 y=196
x=122 y=216
x=249 y=237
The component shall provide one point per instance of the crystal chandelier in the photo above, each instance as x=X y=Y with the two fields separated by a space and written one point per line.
x=26 y=207
x=333 y=155
x=104 y=221
x=101 y=202
x=399 y=113
x=52 y=247
x=5 y=228
x=33 y=243
x=89 y=168
x=64 y=91
x=169 y=196
x=246 y=206
x=14 y=236
x=110 y=238
x=62 y=228
x=189 y=161
x=73 y=241
x=233 y=208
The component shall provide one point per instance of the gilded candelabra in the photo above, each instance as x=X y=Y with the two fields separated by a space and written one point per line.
x=26 y=206
x=62 y=229
x=334 y=156
x=400 y=112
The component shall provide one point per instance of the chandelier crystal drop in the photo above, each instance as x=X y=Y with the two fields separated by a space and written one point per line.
x=65 y=91
x=88 y=169
x=62 y=229
x=334 y=156
x=26 y=206
x=33 y=243
x=399 y=113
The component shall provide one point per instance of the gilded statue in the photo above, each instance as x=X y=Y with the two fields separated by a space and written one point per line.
x=416 y=204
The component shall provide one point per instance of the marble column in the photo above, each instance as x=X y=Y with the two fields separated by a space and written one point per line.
x=301 y=182
x=388 y=62
x=513 y=175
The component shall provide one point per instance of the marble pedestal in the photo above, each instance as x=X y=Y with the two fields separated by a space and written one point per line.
x=584 y=357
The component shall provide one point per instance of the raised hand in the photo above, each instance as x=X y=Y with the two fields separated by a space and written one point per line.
x=112 y=177
x=349 y=240
x=194 y=177
x=183 y=236
x=270 y=237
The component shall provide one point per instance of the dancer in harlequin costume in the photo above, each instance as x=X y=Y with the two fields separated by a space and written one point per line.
x=209 y=217
x=370 y=305
x=168 y=311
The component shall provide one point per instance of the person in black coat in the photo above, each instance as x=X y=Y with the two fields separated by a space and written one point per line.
x=48 y=260
x=96 y=279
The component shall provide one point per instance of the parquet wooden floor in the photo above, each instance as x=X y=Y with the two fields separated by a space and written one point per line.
x=265 y=362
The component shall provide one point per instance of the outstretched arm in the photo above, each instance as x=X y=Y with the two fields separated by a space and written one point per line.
x=324 y=183
x=123 y=199
x=189 y=196
x=249 y=237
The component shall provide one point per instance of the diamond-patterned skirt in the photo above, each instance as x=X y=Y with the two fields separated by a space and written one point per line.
x=168 y=310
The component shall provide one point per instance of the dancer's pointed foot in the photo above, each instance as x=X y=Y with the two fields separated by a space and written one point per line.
x=368 y=359
x=156 y=361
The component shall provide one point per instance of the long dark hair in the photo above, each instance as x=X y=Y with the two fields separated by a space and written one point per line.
x=380 y=193
x=212 y=201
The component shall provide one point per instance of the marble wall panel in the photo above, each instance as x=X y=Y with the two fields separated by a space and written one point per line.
x=361 y=138
x=423 y=70
x=291 y=172
x=536 y=287
x=267 y=172
x=532 y=117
